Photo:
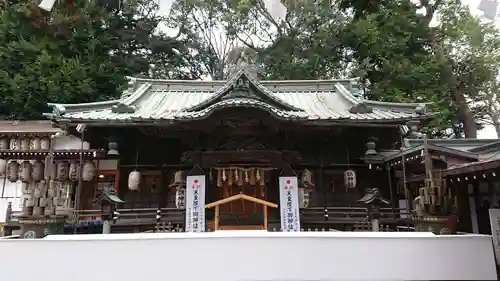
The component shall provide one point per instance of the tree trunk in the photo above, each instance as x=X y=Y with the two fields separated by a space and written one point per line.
x=465 y=115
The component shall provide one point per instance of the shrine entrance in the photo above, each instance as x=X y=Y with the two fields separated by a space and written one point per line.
x=251 y=225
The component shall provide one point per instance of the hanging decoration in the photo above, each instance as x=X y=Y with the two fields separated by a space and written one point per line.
x=38 y=171
x=179 y=178
x=240 y=176
x=62 y=171
x=289 y=204
x=45 y=143
x=180 y=197
x=49 y=168
x=73 y=171
x=25 y=143
x=4 y=143
x=350 y=179
x=3 y=167
x=303 y=197
x=134 y=179
x=195 y=203
x=12 y=171
x=14 y=143
x=306 y=179
x=25 y=171
x=35 y=143
x=89 y=171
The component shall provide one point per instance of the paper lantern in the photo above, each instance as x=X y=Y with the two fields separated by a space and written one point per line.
x=89 y=171
x=25 y=171
x=52 y=190
x=25 y=189
x=350 y=179
x=62 y=171
x=49 y=167
x=45 y=143
x=38 y=171
x=3 y=167
x=14 y=144
x=73 y=172
x=35 y=143
x=25 y=143
x=30 y=202
x=134 y=179
x=4 y=143
x=37 y=190
x=303 y=197
x=180 y=198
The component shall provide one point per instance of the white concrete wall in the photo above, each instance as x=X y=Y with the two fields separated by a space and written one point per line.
x=250 y=256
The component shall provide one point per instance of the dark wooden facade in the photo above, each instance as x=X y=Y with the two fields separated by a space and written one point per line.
x=248 y=124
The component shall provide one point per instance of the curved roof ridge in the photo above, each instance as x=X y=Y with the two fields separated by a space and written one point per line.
x=231 y=83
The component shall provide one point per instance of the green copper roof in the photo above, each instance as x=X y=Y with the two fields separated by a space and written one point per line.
x=171 y=100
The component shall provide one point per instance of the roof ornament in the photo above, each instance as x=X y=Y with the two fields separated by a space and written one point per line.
x=414 y=127
x=421 y=109
x=58 y=110
x=123 y=108
x=361 y=108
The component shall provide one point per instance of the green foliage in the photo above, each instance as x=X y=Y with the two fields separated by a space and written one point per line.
x=77 y=53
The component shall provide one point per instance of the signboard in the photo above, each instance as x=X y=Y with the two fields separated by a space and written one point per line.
x=195 y=204
x=289 y=204
x=495 y=231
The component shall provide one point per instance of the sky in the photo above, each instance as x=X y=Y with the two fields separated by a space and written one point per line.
x=486 y=133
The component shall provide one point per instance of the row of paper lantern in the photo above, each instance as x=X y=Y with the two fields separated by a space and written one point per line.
x=25 y=143
x=37 y=171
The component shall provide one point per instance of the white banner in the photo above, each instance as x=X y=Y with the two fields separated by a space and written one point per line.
x=195 y=204
x=289 y=204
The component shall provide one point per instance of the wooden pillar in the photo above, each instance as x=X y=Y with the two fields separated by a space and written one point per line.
x=265 y=216
x=216 y=223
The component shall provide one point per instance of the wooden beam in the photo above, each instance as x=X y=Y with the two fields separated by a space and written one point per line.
x=217 y=213
x=265 y=217
x=241 y=196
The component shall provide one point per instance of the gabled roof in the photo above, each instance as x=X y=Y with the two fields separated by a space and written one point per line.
x=472 y=145
x=241 y=196
x=441 y=149
x=149 y=100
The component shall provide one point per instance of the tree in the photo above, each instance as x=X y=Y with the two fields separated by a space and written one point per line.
x=79 y=52
x=472 y=55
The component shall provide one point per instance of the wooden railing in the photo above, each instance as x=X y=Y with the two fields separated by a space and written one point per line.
x=351 y=215
x=316 y=217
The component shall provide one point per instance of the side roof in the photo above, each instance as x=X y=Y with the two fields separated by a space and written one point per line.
x=307 y=100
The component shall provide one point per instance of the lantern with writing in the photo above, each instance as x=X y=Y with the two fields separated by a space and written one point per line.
x=350 y=179
x=3 y=167
x=45 y=143
x=73 y=172
x=180 y=197
x=38 y=171
x=25 y=143
x=303 y=197
x=4 y=143
x=14 y=144
x=89 y=171
x=134 y=179
x=306 y=179
x=35 y=143
x=25 y=171
x=62 y=171
x=12 y=171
